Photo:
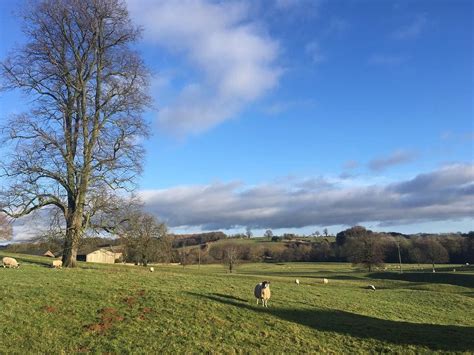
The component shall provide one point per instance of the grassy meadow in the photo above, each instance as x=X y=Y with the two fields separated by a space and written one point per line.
x=122 y=309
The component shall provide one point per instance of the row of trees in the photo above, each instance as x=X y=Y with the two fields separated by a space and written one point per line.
x=357 y=245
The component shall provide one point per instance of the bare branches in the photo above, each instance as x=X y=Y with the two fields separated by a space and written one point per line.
x=82 y=134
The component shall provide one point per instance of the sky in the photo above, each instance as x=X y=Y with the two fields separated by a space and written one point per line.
x=296 y=115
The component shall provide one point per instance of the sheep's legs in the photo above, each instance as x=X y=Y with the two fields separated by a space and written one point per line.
x=257 y=301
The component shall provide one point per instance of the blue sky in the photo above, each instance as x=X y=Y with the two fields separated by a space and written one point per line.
x=298 y=115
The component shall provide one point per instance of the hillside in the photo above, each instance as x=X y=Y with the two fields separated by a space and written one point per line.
x=119 y=309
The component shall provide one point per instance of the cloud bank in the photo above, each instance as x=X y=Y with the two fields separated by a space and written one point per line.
x=234 y=60
x=444 y=194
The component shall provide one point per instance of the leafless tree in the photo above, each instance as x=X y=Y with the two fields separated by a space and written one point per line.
x=80 y=140
x=5 y=228
x=248 y=232
x=141 y=234
x=268 y=234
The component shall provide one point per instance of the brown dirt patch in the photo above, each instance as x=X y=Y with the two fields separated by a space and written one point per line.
x=49 y=309
x=141 y=293
x=130 y=301
x=108 y=317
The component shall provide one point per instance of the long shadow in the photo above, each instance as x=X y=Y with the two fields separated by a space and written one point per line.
x=229 y=297
x=465 y=280
x=433 y=336
x=45 y=263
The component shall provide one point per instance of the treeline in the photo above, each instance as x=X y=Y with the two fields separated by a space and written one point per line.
x=146 y=241
x=357 y=245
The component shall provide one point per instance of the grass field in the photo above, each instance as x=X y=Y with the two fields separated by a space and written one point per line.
x=120 y=309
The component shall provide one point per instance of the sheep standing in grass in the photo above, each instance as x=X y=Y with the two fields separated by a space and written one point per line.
x=152 y=269
x=10 y=263
x=325 y=281
x=371 y=287
x=297 y=281
x=262 y=292
x=57 y=264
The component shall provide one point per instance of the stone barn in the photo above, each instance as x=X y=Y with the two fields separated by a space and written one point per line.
x=103 y=255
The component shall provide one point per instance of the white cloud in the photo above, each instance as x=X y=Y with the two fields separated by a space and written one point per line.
x=444 y=194
x=234 y=60
x=411 y=30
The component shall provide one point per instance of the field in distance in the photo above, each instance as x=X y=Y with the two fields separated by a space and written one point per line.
x=116 y=308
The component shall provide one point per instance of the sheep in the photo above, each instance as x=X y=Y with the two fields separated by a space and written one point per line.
x=297 y=281
x=10 y=263
x=371 y=287
x=57 y=264
x=262 y=292
x=325 y=281
x=152 y=269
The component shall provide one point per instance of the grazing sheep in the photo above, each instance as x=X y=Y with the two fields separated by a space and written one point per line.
x=152 y=269
x=371 y=287
x=262 y=292
x=10 y=263
x=297 y=281
x=57 y=264
x=325 y=281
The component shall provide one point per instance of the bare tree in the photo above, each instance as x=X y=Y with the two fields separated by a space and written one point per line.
x=141 y=234
x=248 y=232
x=5 y=228
x=231 y=256
x=367 y=249
x=268 y=234
x=325 y=232
x=81 y=138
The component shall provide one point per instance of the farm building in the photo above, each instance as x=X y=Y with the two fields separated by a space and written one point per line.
x=49 y=254
x=106 y=255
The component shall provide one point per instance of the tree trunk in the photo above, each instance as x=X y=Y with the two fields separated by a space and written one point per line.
x=73 y=236
x=71 y=245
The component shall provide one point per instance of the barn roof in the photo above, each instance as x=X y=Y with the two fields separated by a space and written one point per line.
x=49 y=254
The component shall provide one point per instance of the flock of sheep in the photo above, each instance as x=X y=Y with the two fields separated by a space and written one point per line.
x=12 y=263
x=262 y=290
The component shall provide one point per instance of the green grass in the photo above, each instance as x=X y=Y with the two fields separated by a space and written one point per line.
x=121 y=309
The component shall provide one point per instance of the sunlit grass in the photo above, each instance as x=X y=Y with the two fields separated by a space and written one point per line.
x=102 y=308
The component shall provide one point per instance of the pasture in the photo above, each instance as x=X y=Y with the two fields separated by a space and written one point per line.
x=122 y=309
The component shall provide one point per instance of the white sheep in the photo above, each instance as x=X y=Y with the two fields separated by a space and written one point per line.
x=262 y=292
x=10 y=263
x=152 y=269
x=371 y=287
x=297 y=281
x=57 y=264
x=325 y=281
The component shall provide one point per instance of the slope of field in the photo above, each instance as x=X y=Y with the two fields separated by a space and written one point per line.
x=118 y=309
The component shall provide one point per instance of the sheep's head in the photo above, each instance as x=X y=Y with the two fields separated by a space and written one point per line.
x=265 y=284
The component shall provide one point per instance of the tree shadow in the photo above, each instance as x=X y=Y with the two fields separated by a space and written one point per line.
x=26 y=261
x=464 y=280
x=229 y=297
x=432 y=336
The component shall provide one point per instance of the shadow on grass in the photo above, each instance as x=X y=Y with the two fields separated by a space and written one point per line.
x=229 y=297
x=44 y=263
x=433 y=336
x=465 y=280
